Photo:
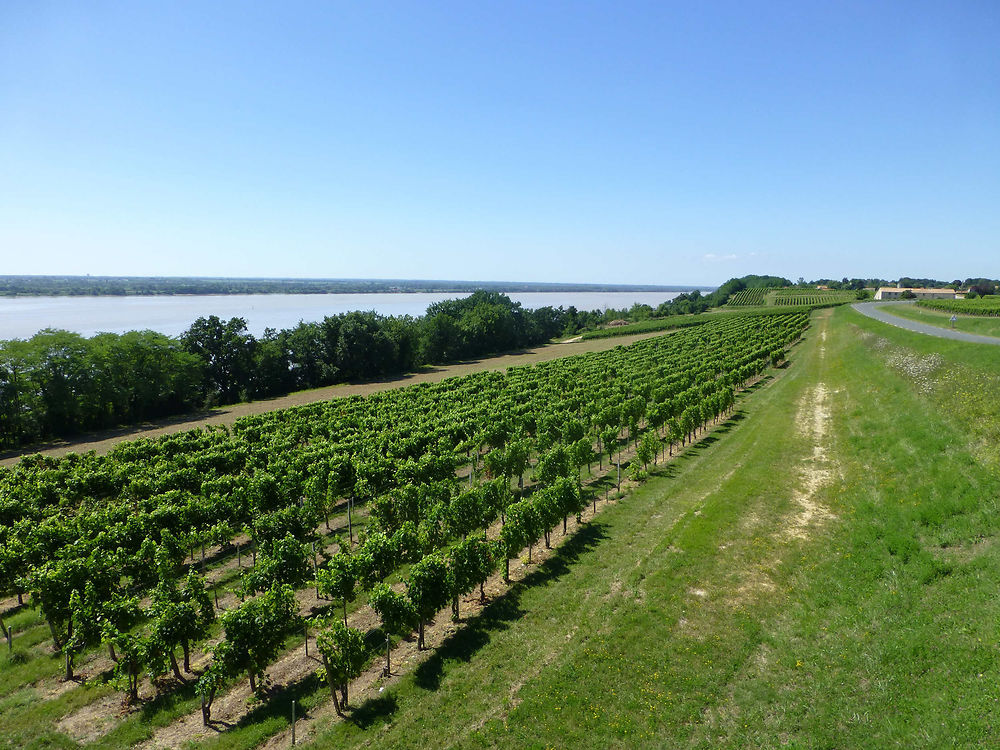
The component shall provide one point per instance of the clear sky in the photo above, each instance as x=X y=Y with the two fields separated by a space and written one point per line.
x=659 y=142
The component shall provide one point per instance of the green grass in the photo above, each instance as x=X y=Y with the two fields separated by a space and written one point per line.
x=27 y=721
x=684 y=616
x=984 y=326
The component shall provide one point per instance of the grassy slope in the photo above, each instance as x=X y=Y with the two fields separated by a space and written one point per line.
x=968 y=323
x=689 y=615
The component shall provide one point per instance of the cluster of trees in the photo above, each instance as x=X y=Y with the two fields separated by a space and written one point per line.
x=57 y=383
x=846 y=284
x=91 y=537
x=686 y=303
x=978 y=286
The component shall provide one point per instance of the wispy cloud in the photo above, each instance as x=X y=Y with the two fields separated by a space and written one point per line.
x=716 y=258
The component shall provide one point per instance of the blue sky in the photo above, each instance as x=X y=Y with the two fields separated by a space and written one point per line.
x=622 y=142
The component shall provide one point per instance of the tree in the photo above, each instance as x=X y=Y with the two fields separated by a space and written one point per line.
x=180 y=616
x=647 y=449
x=271 y=373
x=465 y=513
x=518 y=452
x=569 y=498
x=306 y=350
x=364 y=350
x=440 y=339
x=281 y=561
x=227 y=351
x=582 y=451
x=428 y=588
x=554 y=464
x=525 y=517
x=132 y=650
x=375 y=559
x=674 y=434
x=84 y=626
x=343 y=651
x=470 y=563
x=396 y=613
x=254 y=635
x=338 y=579
x=609 y=436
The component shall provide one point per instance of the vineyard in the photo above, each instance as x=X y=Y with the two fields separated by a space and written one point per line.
x=344 y=524
x=790 y=297
x=985 y=306
x=684 y=321
x=748 y=297
x=811 y=297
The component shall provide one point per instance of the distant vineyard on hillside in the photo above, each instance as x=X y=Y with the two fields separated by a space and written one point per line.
x=811 y=298
x=748 y=297
x=985 y=306
x=760 y=297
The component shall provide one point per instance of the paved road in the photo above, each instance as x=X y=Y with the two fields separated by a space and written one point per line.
x=872 y=310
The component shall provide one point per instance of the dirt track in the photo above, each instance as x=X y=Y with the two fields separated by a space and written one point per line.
x=104 y=441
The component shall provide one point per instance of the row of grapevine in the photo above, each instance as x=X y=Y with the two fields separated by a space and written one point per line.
x=791 y=297
x=91 y=538
x=985 y=306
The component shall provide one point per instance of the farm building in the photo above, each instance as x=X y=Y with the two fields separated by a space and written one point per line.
x=892 y=292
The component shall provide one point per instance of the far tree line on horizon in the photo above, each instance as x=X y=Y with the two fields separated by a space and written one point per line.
x=122 y=286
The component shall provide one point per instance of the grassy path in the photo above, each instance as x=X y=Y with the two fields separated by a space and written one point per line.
x=227 y=415
x=823 y=576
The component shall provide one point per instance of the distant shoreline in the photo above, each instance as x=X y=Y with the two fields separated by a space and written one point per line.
x=136 y=286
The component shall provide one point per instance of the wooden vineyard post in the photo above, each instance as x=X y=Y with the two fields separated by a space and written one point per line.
x=350 y=523
x=316 y=576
